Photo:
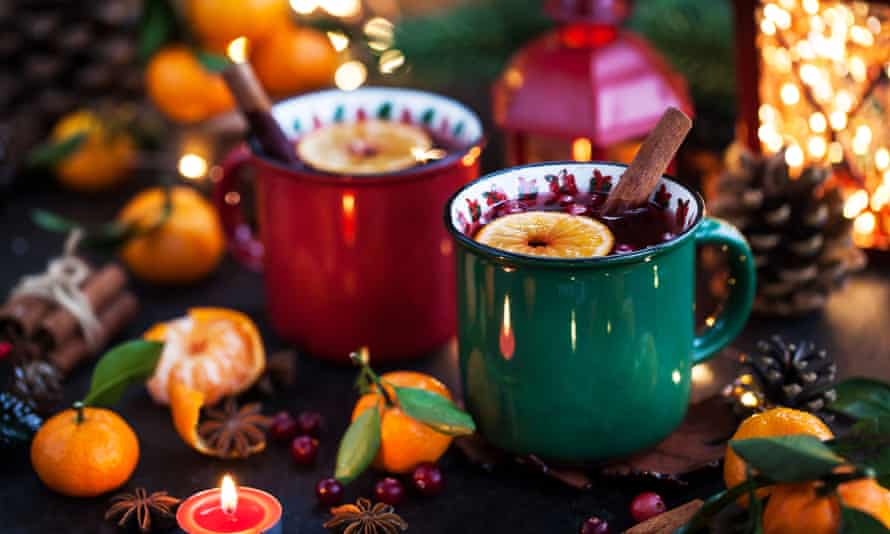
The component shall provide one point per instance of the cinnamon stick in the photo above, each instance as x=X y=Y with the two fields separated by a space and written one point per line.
x=21 y=315
x=647 y=167
x=256 y=107
x=113 y=318
x=99 y=289
x=668 y=522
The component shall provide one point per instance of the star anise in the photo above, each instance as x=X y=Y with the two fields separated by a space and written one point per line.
x=362 y=518
x=141 y=505
x=233 y=432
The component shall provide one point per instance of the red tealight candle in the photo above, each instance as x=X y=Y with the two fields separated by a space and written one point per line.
x=230 y=510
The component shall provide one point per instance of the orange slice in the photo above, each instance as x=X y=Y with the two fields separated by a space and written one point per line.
x=548 y=233
x=365 y=147
x=185 y=409
x=214 y=351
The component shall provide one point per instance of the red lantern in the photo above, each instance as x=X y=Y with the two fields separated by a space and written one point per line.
x=587 y=91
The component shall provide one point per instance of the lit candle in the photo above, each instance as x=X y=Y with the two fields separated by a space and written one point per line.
x=230 y=509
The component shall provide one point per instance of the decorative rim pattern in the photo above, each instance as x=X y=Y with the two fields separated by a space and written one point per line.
x=439 y=114
x=465 y=208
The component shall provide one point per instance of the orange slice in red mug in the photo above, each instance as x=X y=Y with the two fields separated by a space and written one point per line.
x=215 y=351
x=548 y=233
x=364 y=147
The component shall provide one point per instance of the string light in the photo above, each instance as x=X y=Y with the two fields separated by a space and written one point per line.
x=339 y=40
x=303 y=7
x=816 y=146
x=350 y=75
x=379 y=32
x=882 y=158
x=817 y=122
x=341 y=8
x=794 y=156
x=391 y=60
x=817 y=87
x=192 y=166
x=854 y=205
x=790 y=94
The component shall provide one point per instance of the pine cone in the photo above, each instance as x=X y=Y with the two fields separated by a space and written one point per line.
x=38 y=383
x=801 y=241
x=793 y=375
x=58 y=55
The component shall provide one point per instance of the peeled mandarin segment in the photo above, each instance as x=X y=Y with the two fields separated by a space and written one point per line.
x=548 y=233
x=364 y=147
x=216 y=351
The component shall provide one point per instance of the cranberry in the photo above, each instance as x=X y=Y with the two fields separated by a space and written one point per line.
x=594 y=525
x=389 y=490
x=623 y=248
x=667 y=236
x=309 y=423
x=304 y=449
x=284 y=427
x=329 y=491
x=427 y=479
x=646 y=506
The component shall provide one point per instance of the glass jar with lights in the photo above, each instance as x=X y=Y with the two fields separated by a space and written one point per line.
x=814 y=82
x=589 y=90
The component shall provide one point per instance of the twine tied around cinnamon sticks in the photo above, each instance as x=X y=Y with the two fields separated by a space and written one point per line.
x=60 y=285
x=69 y=311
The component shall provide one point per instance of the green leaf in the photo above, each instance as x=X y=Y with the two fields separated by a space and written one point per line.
x=788 y=458
x=157 y=27
x=435 y=411
x=868 y=444
x=50 y=154
x=359 y=446
x=133 y=361
x=855 y=521
x=755 y=510
x=109 y=235
x=52 y=222
x=212 y=62
x=717 y=502
x=862 y=397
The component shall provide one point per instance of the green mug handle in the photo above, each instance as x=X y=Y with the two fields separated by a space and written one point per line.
x=742 y=281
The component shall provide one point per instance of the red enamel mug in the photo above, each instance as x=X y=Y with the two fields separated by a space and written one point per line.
x=356 y=260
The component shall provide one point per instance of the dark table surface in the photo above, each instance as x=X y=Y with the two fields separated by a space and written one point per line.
x=853 y=327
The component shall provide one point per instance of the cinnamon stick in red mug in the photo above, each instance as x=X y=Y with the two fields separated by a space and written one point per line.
x=256 y=107
x=99 y=289
x=647 y=167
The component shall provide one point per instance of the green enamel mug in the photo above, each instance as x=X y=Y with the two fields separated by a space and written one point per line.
x=580 y=360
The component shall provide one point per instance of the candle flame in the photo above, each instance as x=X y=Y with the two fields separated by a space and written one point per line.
x=237 y=50
x=228 y=495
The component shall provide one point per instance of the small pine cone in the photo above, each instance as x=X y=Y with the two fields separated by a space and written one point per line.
x=38 y=383
x=793 y=375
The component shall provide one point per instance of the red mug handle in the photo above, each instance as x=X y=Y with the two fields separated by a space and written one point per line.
x=245 y=247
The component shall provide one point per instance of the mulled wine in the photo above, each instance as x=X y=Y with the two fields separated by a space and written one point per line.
x=580 y=231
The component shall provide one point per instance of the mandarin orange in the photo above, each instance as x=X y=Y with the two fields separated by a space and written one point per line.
x=85 y=452
x=404 y=442
x=213 y=351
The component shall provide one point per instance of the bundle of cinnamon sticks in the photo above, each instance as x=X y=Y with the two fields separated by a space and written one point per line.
x=56 y=332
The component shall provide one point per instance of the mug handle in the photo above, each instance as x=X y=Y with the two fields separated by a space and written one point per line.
x=742 y=285
x=245 y=247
